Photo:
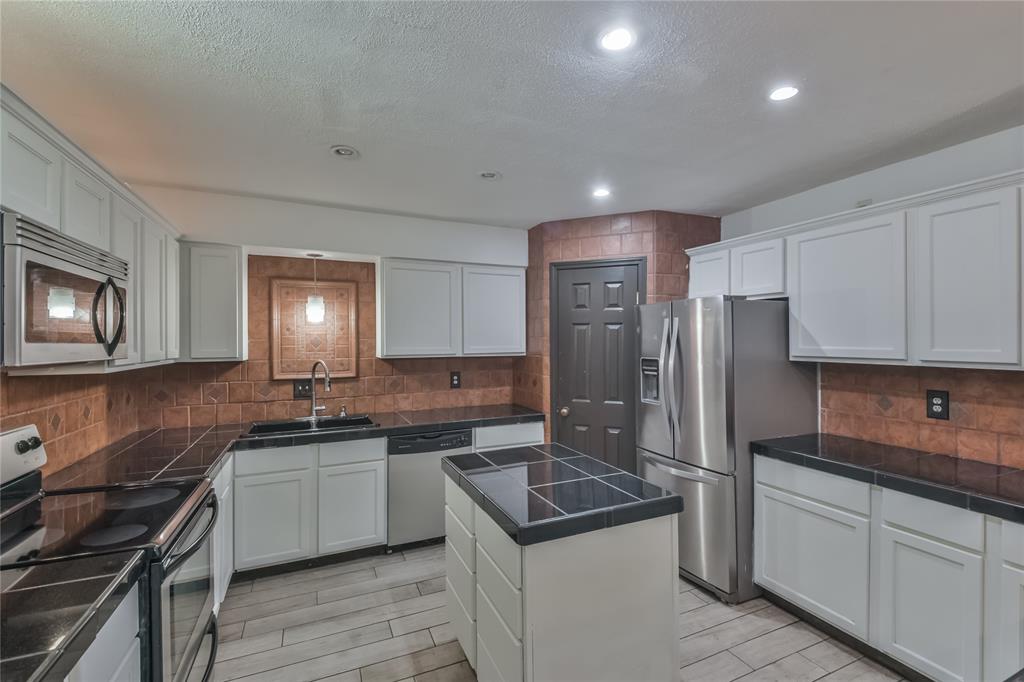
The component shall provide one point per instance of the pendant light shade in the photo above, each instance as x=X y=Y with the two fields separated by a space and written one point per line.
x=316 y=310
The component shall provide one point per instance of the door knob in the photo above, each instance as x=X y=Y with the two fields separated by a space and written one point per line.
x=563 y=412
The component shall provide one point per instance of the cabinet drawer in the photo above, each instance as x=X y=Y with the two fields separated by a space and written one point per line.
x=834 y=491
x=462 y=623
x=493 y=437
x=353 y=451
x=507 y=555
x=460 y=578
x=952 y=524
x=507 y=600
x=460 y=538
x=272 y=460
x=460 y=503
x=486 y=668
x=1013 y=543
x=504 y=648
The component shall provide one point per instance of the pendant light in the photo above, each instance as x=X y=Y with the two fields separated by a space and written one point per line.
x=315 y=308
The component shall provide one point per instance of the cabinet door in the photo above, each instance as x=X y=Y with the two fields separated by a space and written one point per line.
x=792 y=533
x=152 y=282
x=216 y=301
x=965 y=260
x=31 y=172
x=224 y=540
x=757 y=269
x=125 y=234
x=353 y=506
x=421 y=309
x=275 y=517
x=709 y=274
x=86 y=207
x=493 y=310
x=847 y=289
x=929 y=602
x=130 y=667
x=172 y=274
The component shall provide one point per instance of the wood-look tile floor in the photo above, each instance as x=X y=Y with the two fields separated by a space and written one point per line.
x=382 y=619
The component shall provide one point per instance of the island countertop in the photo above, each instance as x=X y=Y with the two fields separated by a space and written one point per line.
x=545 y=492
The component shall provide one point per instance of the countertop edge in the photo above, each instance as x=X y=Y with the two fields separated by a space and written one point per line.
x=936 y=492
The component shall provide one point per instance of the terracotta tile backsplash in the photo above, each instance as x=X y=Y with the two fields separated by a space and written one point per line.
x=660 y=236
x=887 y=404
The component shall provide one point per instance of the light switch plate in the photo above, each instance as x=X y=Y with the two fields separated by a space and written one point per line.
x=302 y=388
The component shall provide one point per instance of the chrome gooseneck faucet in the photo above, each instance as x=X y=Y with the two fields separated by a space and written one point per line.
x=313 y=407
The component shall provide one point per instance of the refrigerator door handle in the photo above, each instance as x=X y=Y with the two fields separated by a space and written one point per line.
x=666 y=405
x=672 y=352
x=699 y=478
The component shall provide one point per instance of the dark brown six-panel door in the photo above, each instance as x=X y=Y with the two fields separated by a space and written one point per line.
x=594 y=346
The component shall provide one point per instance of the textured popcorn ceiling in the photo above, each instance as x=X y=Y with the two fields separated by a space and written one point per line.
x=246 y=97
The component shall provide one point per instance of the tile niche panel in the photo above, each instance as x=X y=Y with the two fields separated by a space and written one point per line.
x=296 y=342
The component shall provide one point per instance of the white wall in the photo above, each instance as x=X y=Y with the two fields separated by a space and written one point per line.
x=272 y=224
x=982 y=157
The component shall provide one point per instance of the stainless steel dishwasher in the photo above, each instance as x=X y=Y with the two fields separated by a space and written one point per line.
x=416 y=483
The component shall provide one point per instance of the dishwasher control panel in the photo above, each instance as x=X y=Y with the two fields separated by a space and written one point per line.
x=429 y=442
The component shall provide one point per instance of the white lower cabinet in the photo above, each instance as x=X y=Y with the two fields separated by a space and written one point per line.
x=224 y=533
x=352 y=506
x=937 y=587
x=114 y=654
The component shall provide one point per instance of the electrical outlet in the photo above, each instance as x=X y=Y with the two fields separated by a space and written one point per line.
x=302 y=388
x=456 y=380
x=937 y=404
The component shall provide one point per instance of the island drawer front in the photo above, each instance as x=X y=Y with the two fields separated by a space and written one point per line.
x=461 y=578
x=350 y=452
x=273 y=460
x=834 y=491
x=460 y=502
x=486 y=669
x=507 y=436
x=507 y=600
x=504 y=648
x=946 y=522
x=460 y=538
x=461 y=622
x=507 y=555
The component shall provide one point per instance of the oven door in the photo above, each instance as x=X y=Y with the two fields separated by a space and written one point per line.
x=186 y=599
x=58 y=311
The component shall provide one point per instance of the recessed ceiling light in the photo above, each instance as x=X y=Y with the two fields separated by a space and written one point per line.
x=345 y=151
x=783 y=93
x=490 y=175
x=617 y=39
x=602 y=192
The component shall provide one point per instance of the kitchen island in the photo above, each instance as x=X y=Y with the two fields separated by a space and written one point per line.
x=560 y=567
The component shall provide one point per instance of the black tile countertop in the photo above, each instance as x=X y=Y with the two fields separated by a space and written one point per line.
x=978 y=486
x=160 y=454
x=546 y=492
x=52 y=612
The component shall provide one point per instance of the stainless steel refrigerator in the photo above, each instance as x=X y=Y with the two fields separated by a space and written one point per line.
x=715 y=374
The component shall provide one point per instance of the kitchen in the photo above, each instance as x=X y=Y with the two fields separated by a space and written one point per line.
x=439 y=381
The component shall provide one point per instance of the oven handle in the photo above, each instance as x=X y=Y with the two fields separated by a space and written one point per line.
x=100 y=338
x=213 y=630
x=187 y=553
x=112 y=344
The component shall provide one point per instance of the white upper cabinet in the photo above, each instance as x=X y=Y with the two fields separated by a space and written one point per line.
x=420 y=305
x=758 y=269
x=215 y=291
x=493 y=310
x=152 y=280
x=125 y=235
x=709 y=274
x=172 y=296
x=31 y=172
x=965 y=265
x=86 y=207
x=847 y=289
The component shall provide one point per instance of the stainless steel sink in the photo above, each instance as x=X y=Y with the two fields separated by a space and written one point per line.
x=306 y=424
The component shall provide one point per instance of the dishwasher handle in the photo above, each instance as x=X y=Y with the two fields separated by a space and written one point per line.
x=429 y=442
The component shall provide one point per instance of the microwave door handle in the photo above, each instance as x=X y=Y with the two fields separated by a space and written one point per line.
x=100 y=293
x=666 y=404
x=177 y=560
x=115 y=340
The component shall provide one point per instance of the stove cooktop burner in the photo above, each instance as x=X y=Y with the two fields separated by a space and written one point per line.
x=113 y=535
x=137 y=498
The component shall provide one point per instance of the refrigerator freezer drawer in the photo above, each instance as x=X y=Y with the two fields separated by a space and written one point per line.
x=707 y=524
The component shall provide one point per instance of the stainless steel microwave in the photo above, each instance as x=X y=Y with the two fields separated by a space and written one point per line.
x=64 y=300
